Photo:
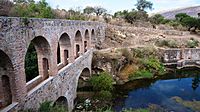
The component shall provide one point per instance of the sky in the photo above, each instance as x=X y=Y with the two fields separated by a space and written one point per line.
x=117 y=5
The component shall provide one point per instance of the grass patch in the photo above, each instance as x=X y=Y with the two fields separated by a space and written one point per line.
x=140 y=74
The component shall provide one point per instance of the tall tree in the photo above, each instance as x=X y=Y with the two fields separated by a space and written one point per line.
x=142 y=5
x=88 y=10
x=99 y=10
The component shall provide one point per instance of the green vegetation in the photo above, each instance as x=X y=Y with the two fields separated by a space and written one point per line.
x=102 y=81
x=140 y=74
x=97 y=10
x=147 y=60
x=182 y=20
x=157 y=19
x=30 y=8
x=104 y=95
x=143 y=4
x=31 y=64
x=192 y=43
x=48 y=106
x=167 y=43
x=153 y=65
x=145 y=52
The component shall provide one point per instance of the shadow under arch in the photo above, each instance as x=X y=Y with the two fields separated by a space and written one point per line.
x=87 y=40
x=93 y=37
x=43 y=53
x=63 y=50
x=62 y=101
x=7 y=81
x=84 y=78
x=78 y=44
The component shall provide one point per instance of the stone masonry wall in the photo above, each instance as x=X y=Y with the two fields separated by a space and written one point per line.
x=16 y=35
x=175 y=55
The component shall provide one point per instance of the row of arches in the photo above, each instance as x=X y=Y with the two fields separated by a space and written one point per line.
x=38 y=60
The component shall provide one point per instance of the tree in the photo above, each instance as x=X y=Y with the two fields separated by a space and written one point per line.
x=88 y=10
x=190 y=22
x=28 y=8
x=134 y=16
x=156 y=19
x=143 y=4
x=99 y=10
x=180 y=16
x=121 y=14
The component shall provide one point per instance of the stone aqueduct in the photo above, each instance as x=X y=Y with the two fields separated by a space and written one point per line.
x=55 y=82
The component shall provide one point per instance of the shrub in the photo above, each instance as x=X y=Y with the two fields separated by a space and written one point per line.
x=126 y=53
x=47 y=106
x=172 y=44
x=167 y=43
x=141 y=74
x=102 y=81
x=192 y=43
x=107 y=109
x=153 y=65
x=144 y=52
x=104 y=95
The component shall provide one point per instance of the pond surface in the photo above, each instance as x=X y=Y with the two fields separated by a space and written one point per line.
x=143 y=93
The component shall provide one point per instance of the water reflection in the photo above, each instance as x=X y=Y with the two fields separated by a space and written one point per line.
x=195 y=82
x=142 y=93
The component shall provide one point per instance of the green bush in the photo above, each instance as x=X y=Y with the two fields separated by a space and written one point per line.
x=167 y=43
x=105 y=95
x=153 y=65
x=47 y=106
x=174 y=23
x=192 y=43
x=141 y=74
x=102 y=81
x=107 y=109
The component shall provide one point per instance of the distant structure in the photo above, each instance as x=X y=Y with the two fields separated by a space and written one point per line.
x=193 y=11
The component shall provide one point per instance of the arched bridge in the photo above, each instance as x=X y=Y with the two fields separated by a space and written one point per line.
x=64 y=52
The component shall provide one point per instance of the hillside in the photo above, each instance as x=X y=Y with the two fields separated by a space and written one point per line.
x=126 y=36
x=192 y=11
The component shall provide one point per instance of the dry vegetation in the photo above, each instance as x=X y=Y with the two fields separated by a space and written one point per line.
x=128 y=36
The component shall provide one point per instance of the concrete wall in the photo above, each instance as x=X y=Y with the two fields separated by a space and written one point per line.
x=16 y=35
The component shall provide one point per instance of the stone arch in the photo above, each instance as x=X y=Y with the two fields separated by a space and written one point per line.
x=87 y=40
x=43 y=51
x=64 y=49
x=78 y=44
x=83 y=77
x=7 y=81
x=63 y=102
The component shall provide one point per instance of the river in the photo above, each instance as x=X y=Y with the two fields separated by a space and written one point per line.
x=160 y=92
